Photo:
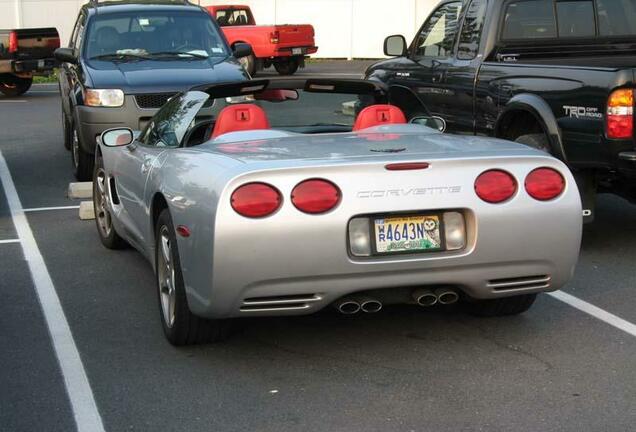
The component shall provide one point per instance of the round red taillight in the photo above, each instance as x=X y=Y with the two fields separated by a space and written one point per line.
x=495 y=186
x=255 y=200
x=544 y=184
x=315 y=196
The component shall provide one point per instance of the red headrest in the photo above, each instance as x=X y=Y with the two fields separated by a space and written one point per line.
x=239 y=118
x=377 y=115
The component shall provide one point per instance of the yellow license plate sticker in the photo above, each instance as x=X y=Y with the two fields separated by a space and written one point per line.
x=407 y=234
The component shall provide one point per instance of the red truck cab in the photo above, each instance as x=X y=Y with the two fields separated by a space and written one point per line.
x=282 y=46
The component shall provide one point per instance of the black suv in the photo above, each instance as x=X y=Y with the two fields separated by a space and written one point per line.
x=126 y=59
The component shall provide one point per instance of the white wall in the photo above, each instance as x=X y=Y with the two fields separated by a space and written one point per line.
x=344 y=28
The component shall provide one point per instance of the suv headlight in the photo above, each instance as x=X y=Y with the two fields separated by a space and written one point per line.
x=104 y=98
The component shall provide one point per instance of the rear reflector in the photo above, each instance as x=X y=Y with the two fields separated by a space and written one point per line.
x=13 y=42
x=315 y=196
x=544 y=184
x=620 y=114
x=256 y=200
x=406 y=166
x=274 y=37
x=495 y=186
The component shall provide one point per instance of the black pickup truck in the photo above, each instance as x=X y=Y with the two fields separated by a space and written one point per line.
x=554 y=74
x=23 y=54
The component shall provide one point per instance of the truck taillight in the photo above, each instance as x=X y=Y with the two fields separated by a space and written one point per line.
x=13 y=42
x=274 y=37
x=620 y=114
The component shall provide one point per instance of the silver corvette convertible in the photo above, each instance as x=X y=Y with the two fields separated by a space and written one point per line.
x=280 y=197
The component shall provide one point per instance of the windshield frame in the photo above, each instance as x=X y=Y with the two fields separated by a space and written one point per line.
x=90 y=25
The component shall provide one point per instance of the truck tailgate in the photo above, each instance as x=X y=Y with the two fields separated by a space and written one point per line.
x=295 y=35
x=33 y=44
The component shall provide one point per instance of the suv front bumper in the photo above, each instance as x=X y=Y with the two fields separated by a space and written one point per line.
x=92 y=121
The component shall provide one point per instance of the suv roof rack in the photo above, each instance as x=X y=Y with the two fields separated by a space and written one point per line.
x=185 y=2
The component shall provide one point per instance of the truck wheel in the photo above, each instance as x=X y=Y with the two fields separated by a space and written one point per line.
x=13 y=86
x=82 y=161
x=500 y=306
x=180 y=325
x=537 y=141
x=249 y=64
x=66 y=131
x=287 y=67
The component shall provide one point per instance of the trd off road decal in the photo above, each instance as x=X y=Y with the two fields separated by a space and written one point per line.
x=582 y=112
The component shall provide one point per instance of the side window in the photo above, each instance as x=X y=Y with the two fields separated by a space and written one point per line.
x=575 y=19
x=530 y=19
x=173 y=120
x=616 y=17
x=471 y=30
x=437 y=37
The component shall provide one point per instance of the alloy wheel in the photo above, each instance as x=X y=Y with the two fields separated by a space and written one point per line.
x=166 y=277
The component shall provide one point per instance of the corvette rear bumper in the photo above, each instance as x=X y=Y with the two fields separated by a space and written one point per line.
x=295 y=263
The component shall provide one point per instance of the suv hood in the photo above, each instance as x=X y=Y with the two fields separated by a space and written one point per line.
x=154 y=76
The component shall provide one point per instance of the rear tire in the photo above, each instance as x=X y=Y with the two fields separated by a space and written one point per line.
x=287 y=67
x=180 y=325
x=12 y=86
x=538 y=141
x=103 y=218
x=82 y=161
x=66 y=131
x=500 y=306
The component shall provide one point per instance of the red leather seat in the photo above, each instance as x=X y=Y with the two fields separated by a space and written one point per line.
x=240 y=117
x=378 y=115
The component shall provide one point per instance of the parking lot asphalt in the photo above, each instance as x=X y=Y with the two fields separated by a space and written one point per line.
x=555 y=368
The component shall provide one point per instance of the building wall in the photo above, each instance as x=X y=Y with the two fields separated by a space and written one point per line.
x=344 y=28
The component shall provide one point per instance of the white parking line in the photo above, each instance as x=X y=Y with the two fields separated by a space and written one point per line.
x=9 y=241
x=39 y=209
x=596 y=312
x=12 y=101
x=79 y=391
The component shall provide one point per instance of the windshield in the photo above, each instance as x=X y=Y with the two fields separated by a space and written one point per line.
x=164 y=35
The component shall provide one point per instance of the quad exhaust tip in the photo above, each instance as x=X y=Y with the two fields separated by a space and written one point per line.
x=446 y=296
x=347 y=306
x=352 y=305
x=424 y=297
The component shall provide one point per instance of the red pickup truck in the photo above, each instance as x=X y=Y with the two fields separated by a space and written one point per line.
x=282 y=46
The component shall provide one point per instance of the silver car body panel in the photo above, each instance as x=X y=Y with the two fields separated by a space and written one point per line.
x=297 y=263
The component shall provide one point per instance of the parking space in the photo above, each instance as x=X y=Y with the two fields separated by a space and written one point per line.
x=554 y=368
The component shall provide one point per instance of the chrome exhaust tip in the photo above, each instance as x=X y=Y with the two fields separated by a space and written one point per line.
x=347 y=306
x=369 y=305
x=446 y=296
x=424 y=297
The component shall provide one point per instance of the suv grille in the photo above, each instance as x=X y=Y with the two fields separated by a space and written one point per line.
x=153 y=100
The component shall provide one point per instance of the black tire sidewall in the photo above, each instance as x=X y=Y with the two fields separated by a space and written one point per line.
x=84 y=169
x=287 y=67
x=21 y=86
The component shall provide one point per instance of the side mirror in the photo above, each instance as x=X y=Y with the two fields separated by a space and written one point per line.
x=65 y=55
x=395 y=46
x=242 y=50
x=117 y=137
x=433 y=122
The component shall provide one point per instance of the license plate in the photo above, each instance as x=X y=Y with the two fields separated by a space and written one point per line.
x=397 y=234
x=297 y=51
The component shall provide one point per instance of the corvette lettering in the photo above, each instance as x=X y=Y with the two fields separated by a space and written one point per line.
x=387 y=193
